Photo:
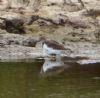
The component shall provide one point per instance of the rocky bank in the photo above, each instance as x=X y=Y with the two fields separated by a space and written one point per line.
x=71 y=22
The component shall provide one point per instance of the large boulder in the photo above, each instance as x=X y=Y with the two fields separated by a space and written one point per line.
x=13 y=25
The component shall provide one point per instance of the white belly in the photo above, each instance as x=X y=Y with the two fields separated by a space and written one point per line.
x=48 y=51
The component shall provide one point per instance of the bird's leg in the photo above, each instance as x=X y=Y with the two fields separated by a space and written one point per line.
x=53 y=57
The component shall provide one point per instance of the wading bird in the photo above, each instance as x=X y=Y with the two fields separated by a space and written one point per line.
x=52 y=49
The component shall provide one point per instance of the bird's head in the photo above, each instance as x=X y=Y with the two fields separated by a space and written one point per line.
x=40 y=40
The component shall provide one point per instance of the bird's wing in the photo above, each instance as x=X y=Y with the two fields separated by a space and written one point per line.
x=55 y=45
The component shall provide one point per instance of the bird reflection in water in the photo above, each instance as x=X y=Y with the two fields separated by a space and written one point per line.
x=52 y=66
x=52 y=51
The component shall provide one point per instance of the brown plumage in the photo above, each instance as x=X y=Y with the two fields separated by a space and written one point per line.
x=53 y=44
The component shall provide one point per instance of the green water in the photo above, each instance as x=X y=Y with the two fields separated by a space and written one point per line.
x=22 y=80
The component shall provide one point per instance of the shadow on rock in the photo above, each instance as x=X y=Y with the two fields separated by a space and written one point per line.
x=13 y=25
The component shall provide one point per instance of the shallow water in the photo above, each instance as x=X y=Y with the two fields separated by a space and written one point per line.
x=22 y=80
